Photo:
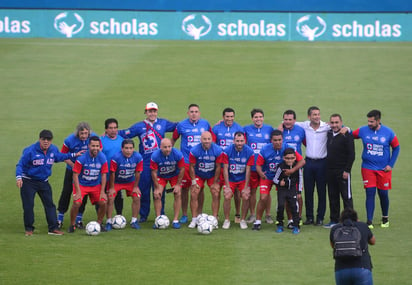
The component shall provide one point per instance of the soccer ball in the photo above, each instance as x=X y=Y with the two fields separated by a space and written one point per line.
x=205 y=228
x=213 y=221
x=93 y=228
x=119 y=222
x=202 y=217
x=162 y=222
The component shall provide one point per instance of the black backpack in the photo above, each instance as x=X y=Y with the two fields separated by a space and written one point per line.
x=347 y=242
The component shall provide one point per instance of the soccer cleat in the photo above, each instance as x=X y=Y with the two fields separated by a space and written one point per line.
x=135 y=225
x=192 y=225
x=102 y=228
x=28 y=233
x=251 y=219
x=329 y=225
x=109 y=227
x=290 y=225
x=79 y=225
x=370 y=225
x=56 y=232
x=295 y=230
x=256 y=227
x=71 y=229
x=226 y=225
x=59 y=224
x=183 y=220
x=385 y=225
x=176 y=225
x=237 y=219
x=279 y=229
x=269 y=219
x=155 y=227
x=243 y=225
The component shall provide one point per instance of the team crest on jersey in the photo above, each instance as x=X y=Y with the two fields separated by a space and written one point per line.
x=243 y=160
x=272 y=165
x=86 y=172
x=98 y=165
x=52 y=155
x=233 y=167
x=383 y=139
x=202 y=130
x=158 y=127
x=222 y=142
x=267 y=136
x=296 y=138
x=253 y=145
x=369 y=146
x=150 y=142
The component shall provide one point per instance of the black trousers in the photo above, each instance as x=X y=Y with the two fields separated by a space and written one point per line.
x=289 y=196
x=338 y=187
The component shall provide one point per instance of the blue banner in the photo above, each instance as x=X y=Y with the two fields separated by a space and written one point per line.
x=218 y=5
x=206 y=26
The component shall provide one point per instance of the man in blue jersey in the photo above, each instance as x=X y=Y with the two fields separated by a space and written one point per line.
x=75 y=142
x=238 y=160
x=257 y=136
x=89 y=178
x=32 y=173
x=150 y=132
x=125 y=169
x=224 y=132
x=112 y=144
x=189 y=130
x=205 y=164
x=377 y=163
x=168 y=166
x=269 y=157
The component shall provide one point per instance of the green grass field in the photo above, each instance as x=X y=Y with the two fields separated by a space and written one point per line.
x=55 y=84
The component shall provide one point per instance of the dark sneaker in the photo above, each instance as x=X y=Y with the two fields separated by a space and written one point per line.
x=256 y=227
x=176 y=226
x=183 y=220
x=102 y=228
x=329 y=225
x=56 y=232
x=295 y=230
x=59 y=225
x=135 y=225
x=290 y=225
x=142 y=220
x=319 y=223
x=109 y=227
x=279 y=229
x=79 y=225
x=71 y=229
x=308 y=222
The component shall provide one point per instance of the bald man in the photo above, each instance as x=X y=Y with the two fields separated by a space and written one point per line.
x=167 y=166
x=205 y=165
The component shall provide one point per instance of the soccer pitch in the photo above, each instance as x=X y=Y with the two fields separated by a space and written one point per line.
x=55 y=84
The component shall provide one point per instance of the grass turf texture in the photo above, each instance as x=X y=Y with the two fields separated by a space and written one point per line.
x=57 y=83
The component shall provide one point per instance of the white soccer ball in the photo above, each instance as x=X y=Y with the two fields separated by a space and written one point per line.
x=205 y=228
x=202 y=217
x=93 y=228
x=162 y=222
x=119 y=222
x=213 y=221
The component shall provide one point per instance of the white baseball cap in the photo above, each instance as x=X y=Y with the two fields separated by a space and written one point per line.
x=151 y=106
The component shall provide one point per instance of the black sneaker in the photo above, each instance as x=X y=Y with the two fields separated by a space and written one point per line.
x=319 y=223
x=71 y=229
x=103 y=228
x=256 y=227
x=59 y=225
x=308 y=222
x=290 y=225
x=79 y=225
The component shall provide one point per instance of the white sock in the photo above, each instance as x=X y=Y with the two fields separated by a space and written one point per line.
x=133 y=220
x=258 y=222
x=109 y=221
x=175 y=221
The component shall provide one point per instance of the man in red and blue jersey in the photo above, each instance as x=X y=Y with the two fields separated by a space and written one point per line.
x=377 y=163
x=257 y=136
x=78 y=141
x=150 y=132
x=224 y=132
x=205 y=164
x=167 y=166
x=89 y=178
x=32 y=174
x=269 y=157
x=125 y=169
x=238 y=160
x=189 y=130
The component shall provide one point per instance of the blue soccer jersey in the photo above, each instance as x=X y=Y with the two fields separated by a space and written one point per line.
x=205 y=160
x=126 y=167
x=257 y=138
x=294 y=137
x=73 y=144
x=224 y=134
x=111 y=146
x=167 y=166
x=150 y=135
x=376 y=153
x=90 y=169
x=237 y=162
x=190 y=133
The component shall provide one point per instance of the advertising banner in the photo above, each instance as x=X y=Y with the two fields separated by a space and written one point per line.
x=205 y=26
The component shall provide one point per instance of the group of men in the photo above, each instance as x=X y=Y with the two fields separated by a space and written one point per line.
x=228 y=157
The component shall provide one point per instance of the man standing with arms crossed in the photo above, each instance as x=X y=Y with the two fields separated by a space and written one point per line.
x=190 y=130
x=377 y=163
x=150 y=132
x=341 y=155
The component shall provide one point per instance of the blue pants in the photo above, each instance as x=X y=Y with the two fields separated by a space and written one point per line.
x=27 y=193
x=354 y=276
x=315 y=173
x=146 y=187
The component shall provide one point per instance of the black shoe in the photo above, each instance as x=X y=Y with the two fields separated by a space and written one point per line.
x=79 y=225
x=103 y=228
x=71 y=229
x=290 y=225
x=308 y=222
x=59 y=225
x=319 y=223
x=256 y=227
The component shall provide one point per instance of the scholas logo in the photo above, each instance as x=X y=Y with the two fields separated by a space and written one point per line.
x=68 y=24
x=311 y=28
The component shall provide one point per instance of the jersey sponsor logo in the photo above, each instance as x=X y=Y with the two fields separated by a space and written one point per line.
x=374 y=149
x=196 y=26
x=38 y=162
x=50 y=161
x=190 y=139
x=222 y=142
x=68 y=24
x=311 y=27
x=237 y=168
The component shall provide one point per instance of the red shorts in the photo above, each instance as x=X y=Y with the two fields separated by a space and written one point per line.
x=186 y=181
x=254 y=180
x=201 y=181
x=125 y=186
x=163 y=181
x=236 y=185
x=377 y=178
x=265 y=186
x=92 y=191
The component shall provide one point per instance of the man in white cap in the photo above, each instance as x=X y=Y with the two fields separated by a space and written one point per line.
x=150 y=132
